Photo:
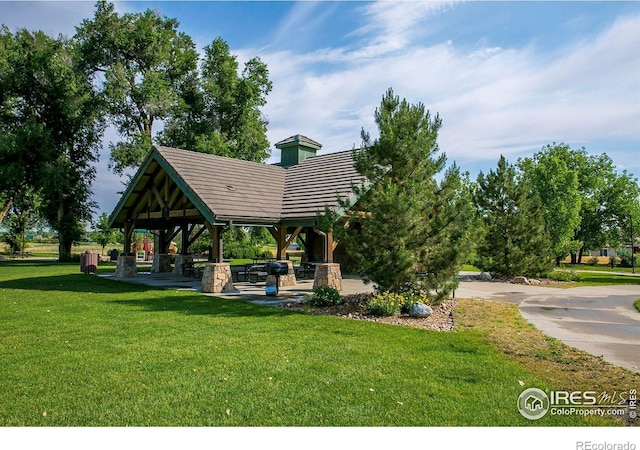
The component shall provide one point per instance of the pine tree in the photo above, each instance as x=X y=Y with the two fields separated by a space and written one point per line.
x=405 y=220
x=515 y=242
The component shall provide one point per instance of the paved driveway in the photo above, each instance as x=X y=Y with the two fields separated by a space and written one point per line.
x=599 y=320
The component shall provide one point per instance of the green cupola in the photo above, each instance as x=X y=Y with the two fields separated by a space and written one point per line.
x=296 y=149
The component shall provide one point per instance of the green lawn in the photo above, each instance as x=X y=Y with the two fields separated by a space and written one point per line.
x=597 y=278
x=597 y=268
x=637 y=304
x=80 y=350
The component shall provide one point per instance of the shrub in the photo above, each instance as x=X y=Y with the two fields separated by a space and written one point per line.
x=626 y=260
x=564 y=275
x=325 y=296
x=593 y=261
x=74 y=258
x=242 y=250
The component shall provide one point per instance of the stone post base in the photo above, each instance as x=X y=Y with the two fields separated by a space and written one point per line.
x=284 y=280
x=126 y=267
x=180 y=260
x=328 y=274
x=161 y=263
x=217 y=278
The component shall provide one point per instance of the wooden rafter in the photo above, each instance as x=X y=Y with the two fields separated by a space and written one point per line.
x=175 y=214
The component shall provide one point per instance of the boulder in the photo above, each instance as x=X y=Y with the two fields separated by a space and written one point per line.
x=521 y=280
x=485 y=276
x=534 y=282
x=420 y=310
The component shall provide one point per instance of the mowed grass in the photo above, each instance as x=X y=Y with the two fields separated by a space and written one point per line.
x=80 y=350
x=603 y=278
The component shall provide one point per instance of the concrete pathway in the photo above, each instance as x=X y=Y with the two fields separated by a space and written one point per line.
x=599 y=320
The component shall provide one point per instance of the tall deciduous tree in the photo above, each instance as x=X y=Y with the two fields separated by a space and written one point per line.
x=587 y=201
x=50 y=128
x=550 y=176
x=515 y=240
x=219 y=111
x=142 y=58
x=406 y=220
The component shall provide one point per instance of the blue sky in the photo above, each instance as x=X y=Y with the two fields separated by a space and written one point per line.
x=506 y=77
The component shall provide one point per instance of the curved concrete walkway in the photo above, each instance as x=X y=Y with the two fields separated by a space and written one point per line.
x=599 y=320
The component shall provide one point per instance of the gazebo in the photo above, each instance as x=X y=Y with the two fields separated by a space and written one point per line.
x=179 y=191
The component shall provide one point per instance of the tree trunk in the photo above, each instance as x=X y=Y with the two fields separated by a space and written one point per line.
x=574 y=258
x=64 y=249
x=580 y=253
x=6 y=207
x=65 y=241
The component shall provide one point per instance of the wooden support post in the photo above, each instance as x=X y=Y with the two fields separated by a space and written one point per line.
x=163 y=246
x=186 y=231
x=280 y=235
x=128 y=231
x=216 y=242
x=281 y=240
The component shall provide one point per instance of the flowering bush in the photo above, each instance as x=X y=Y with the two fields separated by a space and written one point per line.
x=386 y=304
x=391 y=304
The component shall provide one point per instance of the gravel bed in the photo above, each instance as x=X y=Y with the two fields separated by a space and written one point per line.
x=354 y=308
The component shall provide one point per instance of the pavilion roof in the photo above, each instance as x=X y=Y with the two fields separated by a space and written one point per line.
x=184 y=186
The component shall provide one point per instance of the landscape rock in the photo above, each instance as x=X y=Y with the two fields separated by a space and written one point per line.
x=534 y=282
x=485 y=276
x=521 y=280
x=420 y=310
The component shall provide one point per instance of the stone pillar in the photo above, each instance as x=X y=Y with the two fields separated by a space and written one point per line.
x=161 y=263
x=285 y=280
x=126 y=267
x=217 y=278
x=328 y=274
x=180 y=260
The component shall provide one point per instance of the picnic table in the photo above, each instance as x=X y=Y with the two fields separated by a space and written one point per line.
x=191 y=269
x=253 y=273
x=307 y=269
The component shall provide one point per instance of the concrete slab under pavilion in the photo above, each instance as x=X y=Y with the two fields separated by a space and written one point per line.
x=246 y=291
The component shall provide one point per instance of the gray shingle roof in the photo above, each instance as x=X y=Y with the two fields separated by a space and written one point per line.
x=232 y=188
x=316 y=182
x=226 y=189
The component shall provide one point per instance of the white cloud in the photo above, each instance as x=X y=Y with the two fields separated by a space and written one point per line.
x=394 y=25
x=51 y=17
x=492 y=100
